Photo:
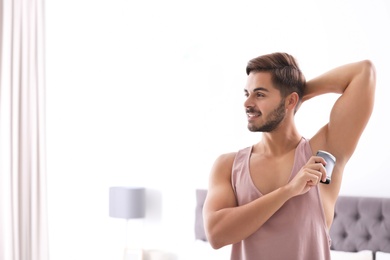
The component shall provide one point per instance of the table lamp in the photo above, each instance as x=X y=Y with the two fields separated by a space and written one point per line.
x=128 y=203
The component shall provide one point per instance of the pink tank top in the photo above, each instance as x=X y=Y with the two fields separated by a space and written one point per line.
x=297 y=231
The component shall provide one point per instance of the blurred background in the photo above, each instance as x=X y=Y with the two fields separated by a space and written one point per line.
x=149 y=93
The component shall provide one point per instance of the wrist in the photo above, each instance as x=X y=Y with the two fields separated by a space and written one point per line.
x=287 y=191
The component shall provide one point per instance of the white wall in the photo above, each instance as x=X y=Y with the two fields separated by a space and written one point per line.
x=150 y=93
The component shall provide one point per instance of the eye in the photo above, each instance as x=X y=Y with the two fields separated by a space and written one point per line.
x=260 y=94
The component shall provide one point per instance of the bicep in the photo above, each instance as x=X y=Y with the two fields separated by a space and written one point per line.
x=351 y=113
x=220 y=193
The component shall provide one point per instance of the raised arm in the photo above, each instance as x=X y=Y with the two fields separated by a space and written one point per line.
x=352 y=110
x=349 y=115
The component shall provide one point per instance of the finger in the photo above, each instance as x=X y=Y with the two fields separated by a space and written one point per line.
x=324 y=175
x=320 y=169
x=312 y=179
x=315 y=179
x=315 y=175
x=317 y=159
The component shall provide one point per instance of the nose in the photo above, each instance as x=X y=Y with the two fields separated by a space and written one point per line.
x=248 y=102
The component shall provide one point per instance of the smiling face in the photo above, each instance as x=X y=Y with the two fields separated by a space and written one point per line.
x=265 y=108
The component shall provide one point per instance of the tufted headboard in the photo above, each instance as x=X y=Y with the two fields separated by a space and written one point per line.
x=199 y=227
x=360 y=223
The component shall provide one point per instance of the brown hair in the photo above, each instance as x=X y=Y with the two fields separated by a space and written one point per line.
x=284 y=69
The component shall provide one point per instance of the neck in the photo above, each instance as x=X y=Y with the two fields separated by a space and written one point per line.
x=279 y=141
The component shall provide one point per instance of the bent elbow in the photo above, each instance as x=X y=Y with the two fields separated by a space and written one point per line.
x=215 y=242
x=216 y=239
x=370 y=70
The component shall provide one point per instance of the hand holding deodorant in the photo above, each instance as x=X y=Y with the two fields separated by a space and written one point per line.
x=330 y=162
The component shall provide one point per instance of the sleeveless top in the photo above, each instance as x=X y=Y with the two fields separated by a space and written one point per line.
x=297 y=231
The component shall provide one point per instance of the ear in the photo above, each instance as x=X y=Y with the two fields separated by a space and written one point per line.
x=292 y=101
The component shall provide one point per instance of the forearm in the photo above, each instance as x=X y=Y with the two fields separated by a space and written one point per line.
x=336 y=80
x=231 y=225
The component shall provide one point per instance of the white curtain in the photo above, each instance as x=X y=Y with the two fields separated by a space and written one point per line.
x=23 y=212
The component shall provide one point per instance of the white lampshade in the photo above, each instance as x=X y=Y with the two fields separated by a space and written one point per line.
x=127 y=202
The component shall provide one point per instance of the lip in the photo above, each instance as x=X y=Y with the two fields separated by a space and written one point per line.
x=252 y=116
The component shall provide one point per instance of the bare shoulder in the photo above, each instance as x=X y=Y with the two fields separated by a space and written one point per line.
x=221 y=170
x=225 y=161
x=220 y=191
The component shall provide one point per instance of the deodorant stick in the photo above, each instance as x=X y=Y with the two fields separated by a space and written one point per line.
x=330 y=162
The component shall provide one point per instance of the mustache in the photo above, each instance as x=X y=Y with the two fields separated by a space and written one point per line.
x=253 y=111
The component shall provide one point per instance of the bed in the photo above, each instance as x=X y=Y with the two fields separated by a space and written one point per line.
x=360 y=230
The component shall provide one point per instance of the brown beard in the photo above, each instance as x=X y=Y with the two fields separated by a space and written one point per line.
x=273 y=120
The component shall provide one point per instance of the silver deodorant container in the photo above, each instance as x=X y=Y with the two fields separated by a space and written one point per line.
x=330 y=162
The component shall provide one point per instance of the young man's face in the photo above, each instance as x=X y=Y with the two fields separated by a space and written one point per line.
x=264 y=106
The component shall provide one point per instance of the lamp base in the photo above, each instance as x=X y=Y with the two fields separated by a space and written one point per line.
x=132 y=254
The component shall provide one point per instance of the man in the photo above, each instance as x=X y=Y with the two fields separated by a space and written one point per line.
x=266 y=200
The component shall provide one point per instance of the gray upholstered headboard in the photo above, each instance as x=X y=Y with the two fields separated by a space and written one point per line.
x=360 y=223
x=199 y=227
